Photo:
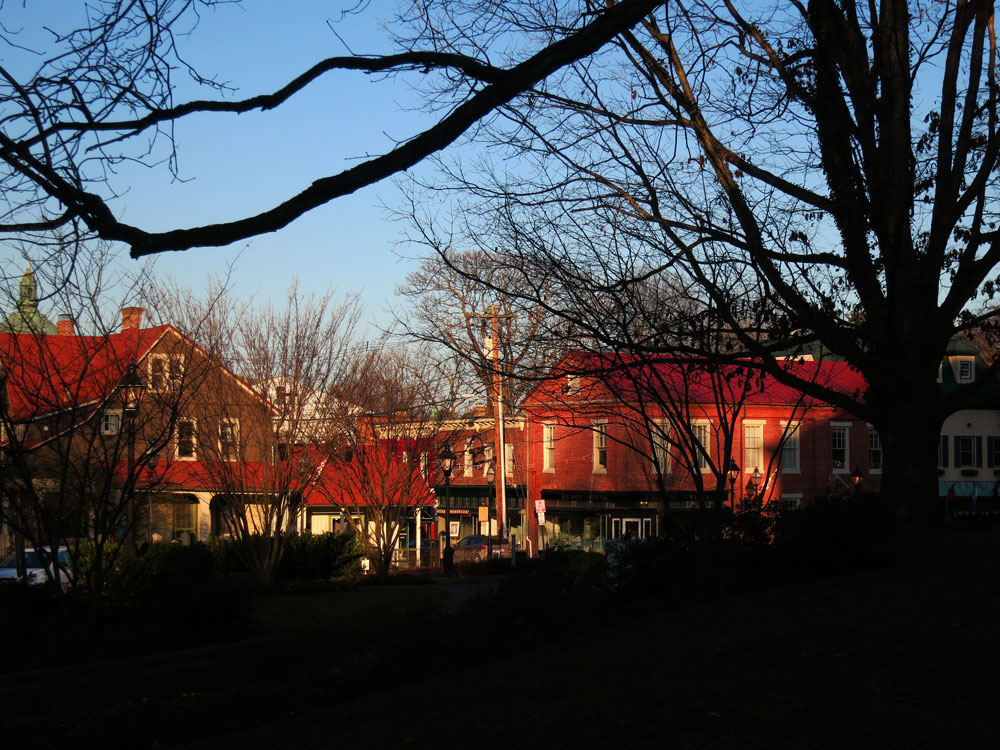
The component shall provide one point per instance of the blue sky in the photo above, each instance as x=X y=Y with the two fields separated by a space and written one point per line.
x=235 y=166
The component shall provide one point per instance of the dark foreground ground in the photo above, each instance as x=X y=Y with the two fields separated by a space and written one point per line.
x=905 y=656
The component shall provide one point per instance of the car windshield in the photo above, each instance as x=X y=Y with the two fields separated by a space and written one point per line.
x=31 y=559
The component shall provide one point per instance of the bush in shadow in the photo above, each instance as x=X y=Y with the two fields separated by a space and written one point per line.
x=836 y=533
x=311 y=557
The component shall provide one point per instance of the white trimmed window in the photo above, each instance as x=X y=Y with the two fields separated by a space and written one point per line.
x=701 y=431
x=753 y=446
x=600 y=430
x=508 y=459
x=661 y=444
x=840 y=446
x=965 y=451
x=874 y=451
x=791 y=449
x=229 y=439
x=791 y=500
x=111 y=422
x=469 y=458
x=965 y=368
x=487 y=458
x=549 y=448
x=165 y=371
x=186 y=442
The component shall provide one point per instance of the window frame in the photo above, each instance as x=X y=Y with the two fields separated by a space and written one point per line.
x=791 y=500
x=599 y=428
x=791 y=443
x=702 y=462
x=194 y=439
x=236 y=439
x=960 y=441
x=875 y=446
x=660 y=444
x=748 y=465
x=961 y=363
x=172 y=373
x=105 y=430
x=468 y=459
x=840 y=428
x=548 y=447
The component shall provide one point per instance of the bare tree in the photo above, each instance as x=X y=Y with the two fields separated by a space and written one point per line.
x=381 y=477
x=450 y=308
x=840 y=158
x=78 y=445
x=105 y=92
x=269 y=416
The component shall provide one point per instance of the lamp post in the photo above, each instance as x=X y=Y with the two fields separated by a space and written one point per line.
x=858 y=478
x=491 y=472
x=131 y=387
x=734 y=471
x=756 y=477
x=753 y=483
x=446 y=460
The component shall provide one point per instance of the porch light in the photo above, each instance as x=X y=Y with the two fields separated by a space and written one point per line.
x=857 y=476
x=756 y=476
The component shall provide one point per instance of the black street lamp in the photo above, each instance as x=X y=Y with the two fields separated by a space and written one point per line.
x=734 y=471
x=753 y=484
x=131 y=388
x=446 y=461
x=491 y=473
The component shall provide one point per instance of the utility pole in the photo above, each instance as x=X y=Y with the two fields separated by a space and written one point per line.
x=500 y=450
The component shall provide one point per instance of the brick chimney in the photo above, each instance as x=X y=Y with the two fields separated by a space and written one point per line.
x=131 y=318
x=65 y=325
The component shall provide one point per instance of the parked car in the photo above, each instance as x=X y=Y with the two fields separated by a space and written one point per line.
x=37 y=561
x=476 y=548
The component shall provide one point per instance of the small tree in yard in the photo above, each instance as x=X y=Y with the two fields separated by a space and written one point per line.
x=380 y=476
x=270 y=418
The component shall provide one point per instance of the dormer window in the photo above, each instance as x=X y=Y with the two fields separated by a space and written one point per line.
x=965 y=369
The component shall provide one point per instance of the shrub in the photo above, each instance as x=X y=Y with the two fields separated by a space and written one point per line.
x=319 y=556
x=157 y=565
x=835 y=533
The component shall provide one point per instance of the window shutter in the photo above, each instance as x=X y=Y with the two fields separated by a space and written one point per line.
x=979 y=451
x=989 y=451
x=944 y=451
x=958 y=457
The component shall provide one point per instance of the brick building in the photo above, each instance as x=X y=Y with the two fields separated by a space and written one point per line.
x=74 y=450
x=615 y=452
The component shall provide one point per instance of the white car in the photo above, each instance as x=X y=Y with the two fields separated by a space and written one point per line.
x=36 y=562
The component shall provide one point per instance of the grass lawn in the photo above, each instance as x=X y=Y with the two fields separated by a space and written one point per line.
x=354 y=609
x=903 y=657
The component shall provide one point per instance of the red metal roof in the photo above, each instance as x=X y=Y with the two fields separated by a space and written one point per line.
x=630 y=378
x=45 y=374
x=379 y=477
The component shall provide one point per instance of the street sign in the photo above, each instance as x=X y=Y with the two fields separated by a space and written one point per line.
x=484 y=514
x=539 y=506
x=541 y=519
